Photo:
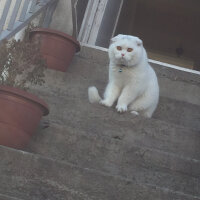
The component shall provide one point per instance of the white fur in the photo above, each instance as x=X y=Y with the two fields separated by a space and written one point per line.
x=93 y=95
x=135 y=88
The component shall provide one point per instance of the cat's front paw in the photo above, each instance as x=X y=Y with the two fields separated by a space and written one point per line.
x=121 y=108
x=105 y=103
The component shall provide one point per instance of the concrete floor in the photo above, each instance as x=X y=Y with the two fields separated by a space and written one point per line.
x=92 y=152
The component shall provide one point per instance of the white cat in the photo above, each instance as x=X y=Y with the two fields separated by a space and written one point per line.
x=132 y=81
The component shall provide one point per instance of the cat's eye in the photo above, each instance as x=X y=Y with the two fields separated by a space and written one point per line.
x=119 y=48
x=129 y=49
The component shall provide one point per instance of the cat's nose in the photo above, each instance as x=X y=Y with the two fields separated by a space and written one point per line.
x=123 y=54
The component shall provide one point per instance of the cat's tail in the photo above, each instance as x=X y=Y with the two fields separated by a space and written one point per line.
x=93 y=95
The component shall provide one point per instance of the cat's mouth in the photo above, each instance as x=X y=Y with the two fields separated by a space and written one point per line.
x=123 y=62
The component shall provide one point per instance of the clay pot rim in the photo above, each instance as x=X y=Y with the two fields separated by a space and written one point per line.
x=21 y=93
x=58 y=33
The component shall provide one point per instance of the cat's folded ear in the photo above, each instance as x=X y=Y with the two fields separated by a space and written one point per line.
x=129 y=37
x=114 y=39
x=139 y=42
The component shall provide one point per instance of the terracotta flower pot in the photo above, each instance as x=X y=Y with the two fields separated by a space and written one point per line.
x=57 y=48
x=19 y=117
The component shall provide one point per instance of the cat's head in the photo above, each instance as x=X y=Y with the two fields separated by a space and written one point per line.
x=126 y=50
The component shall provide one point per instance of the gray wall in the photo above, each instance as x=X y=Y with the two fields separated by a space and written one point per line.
x=62 y=18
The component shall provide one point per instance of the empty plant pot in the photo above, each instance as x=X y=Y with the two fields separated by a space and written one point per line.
x=19 y=117
x=57 y=48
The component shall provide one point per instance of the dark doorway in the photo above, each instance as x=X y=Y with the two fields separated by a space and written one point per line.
x=170 y=29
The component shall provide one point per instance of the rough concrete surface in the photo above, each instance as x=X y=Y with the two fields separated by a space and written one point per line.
x=29 y=176
x=5 y=197
x=92 y=152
